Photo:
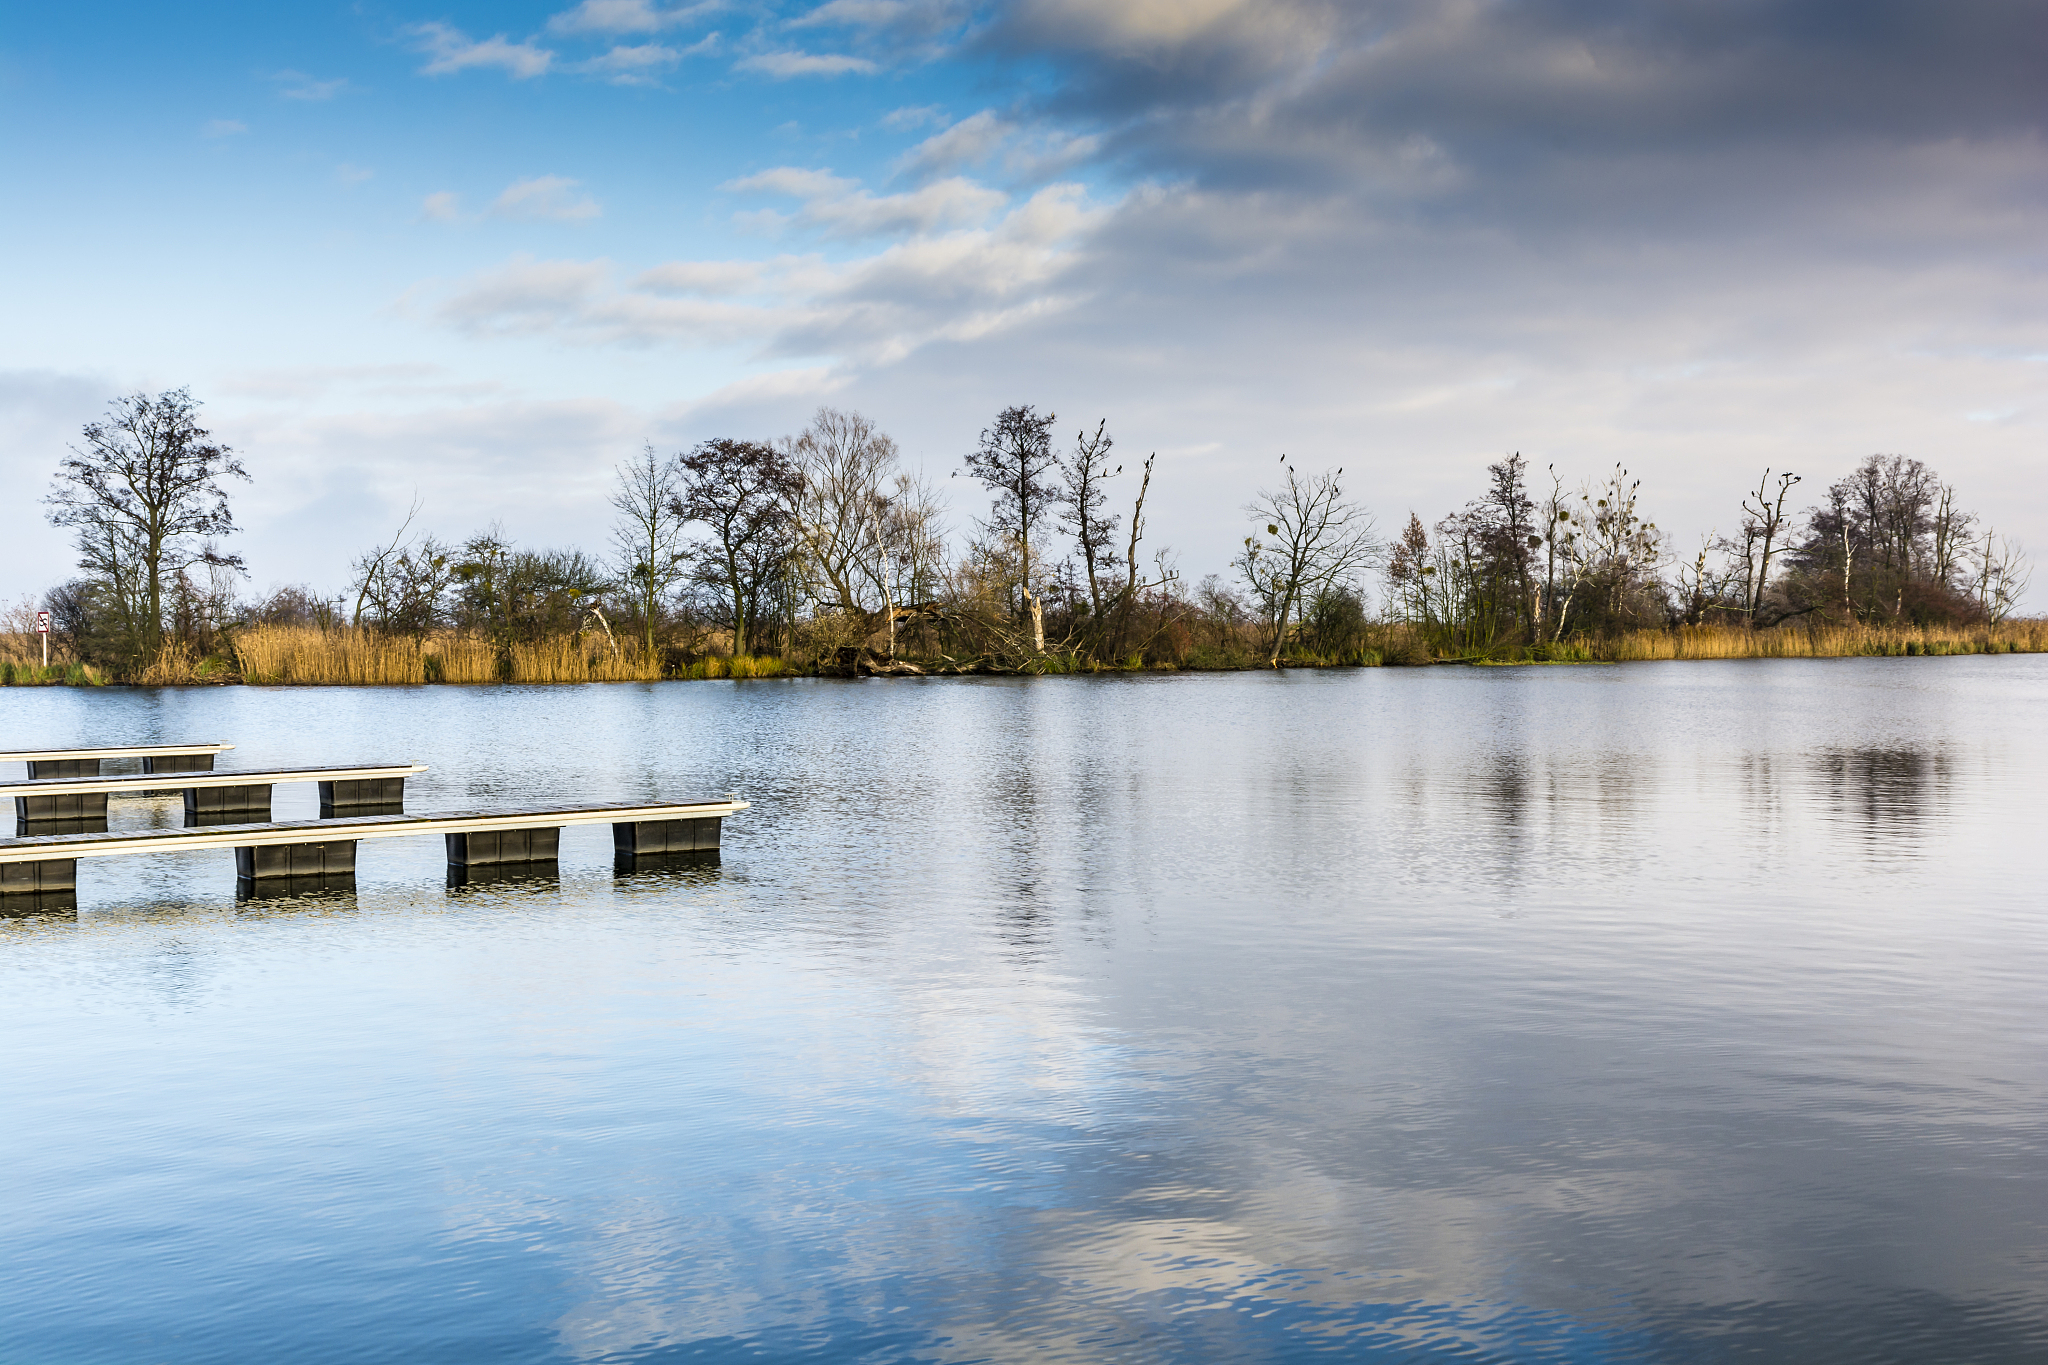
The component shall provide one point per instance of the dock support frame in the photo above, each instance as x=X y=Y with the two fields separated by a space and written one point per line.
x=489 y=846
x=265 y=861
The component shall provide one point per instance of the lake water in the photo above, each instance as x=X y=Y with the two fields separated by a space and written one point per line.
x=1661 y=1012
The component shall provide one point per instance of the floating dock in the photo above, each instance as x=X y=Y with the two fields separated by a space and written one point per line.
x=209 y=793
x=156 y=758
x=299 y=848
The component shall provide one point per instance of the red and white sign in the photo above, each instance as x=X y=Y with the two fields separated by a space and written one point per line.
x=42 y=623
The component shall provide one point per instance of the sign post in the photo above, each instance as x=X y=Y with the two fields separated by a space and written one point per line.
x=43 y=629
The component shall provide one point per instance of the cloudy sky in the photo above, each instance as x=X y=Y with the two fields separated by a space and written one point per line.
x=481 y=253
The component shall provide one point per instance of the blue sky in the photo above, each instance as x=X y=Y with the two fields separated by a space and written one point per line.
x=481 y=253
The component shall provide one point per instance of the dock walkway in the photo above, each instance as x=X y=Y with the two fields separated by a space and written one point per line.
x=292 y=848
x=209 y=792
x=156 y=758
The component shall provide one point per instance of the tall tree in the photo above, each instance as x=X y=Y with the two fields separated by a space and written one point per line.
x=1013 y=459
x=144 y=496
x=742 y=492
x=1511 y=538
x=647 y=537
x=1316 y=539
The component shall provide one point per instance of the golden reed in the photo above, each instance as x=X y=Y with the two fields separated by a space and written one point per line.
x=306 y=654
x=1817 y=642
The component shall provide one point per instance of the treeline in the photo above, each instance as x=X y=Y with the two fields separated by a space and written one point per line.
x=1888 y=548
x=820 y=551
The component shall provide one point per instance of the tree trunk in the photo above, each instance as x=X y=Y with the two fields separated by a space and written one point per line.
x=1280 y=631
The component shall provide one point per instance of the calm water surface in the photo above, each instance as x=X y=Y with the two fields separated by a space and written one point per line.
x=1666 y=1012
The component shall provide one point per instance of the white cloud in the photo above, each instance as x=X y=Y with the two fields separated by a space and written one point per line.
x=626 y=16
x=304 y=383
x=955 y=285
x=714 y=279
x=854 y=13
x=349 y=174
x=297 y=85
x=443 y=206
x=842 y=208
x=783 y=65
x=452 y=51
x=223 y=127
x=330 y=482
x=637 y=65
x=920 y=116
x=545 y=198
x=525 y=294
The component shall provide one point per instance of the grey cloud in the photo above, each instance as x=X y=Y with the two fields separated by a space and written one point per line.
x=1280 y=92
x=966 y=143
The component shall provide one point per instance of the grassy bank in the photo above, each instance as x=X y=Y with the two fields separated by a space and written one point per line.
x=34 y=674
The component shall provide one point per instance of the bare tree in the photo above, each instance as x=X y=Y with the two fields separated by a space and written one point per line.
x=647 y=538
x=845 y=462
x=1763 y=526
x=1951 y=531
x=1127 y=598
x=1013 y=459
x=1603 y=542
x=372 y=567
x=913 y=528
x=2002 y=576
x=144 y=495
x=1082 y=475
x=742 y=491
x=1316 y=540
x=405 y=593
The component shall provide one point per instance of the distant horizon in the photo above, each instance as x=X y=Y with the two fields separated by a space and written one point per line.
x=481 y=255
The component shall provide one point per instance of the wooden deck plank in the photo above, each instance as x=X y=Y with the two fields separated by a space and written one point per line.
x=58 y=846
x=133 y=751
x=137 y=782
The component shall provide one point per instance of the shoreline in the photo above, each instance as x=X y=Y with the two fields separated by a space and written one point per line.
x=266 y=656
x=949 y=674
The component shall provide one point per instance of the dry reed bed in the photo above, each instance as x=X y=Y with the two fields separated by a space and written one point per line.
x=1819 y=642
x=306 y=655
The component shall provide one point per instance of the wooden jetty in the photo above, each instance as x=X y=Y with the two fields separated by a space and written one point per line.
x=209 y=793
x=297 y=848
x=156 y=758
